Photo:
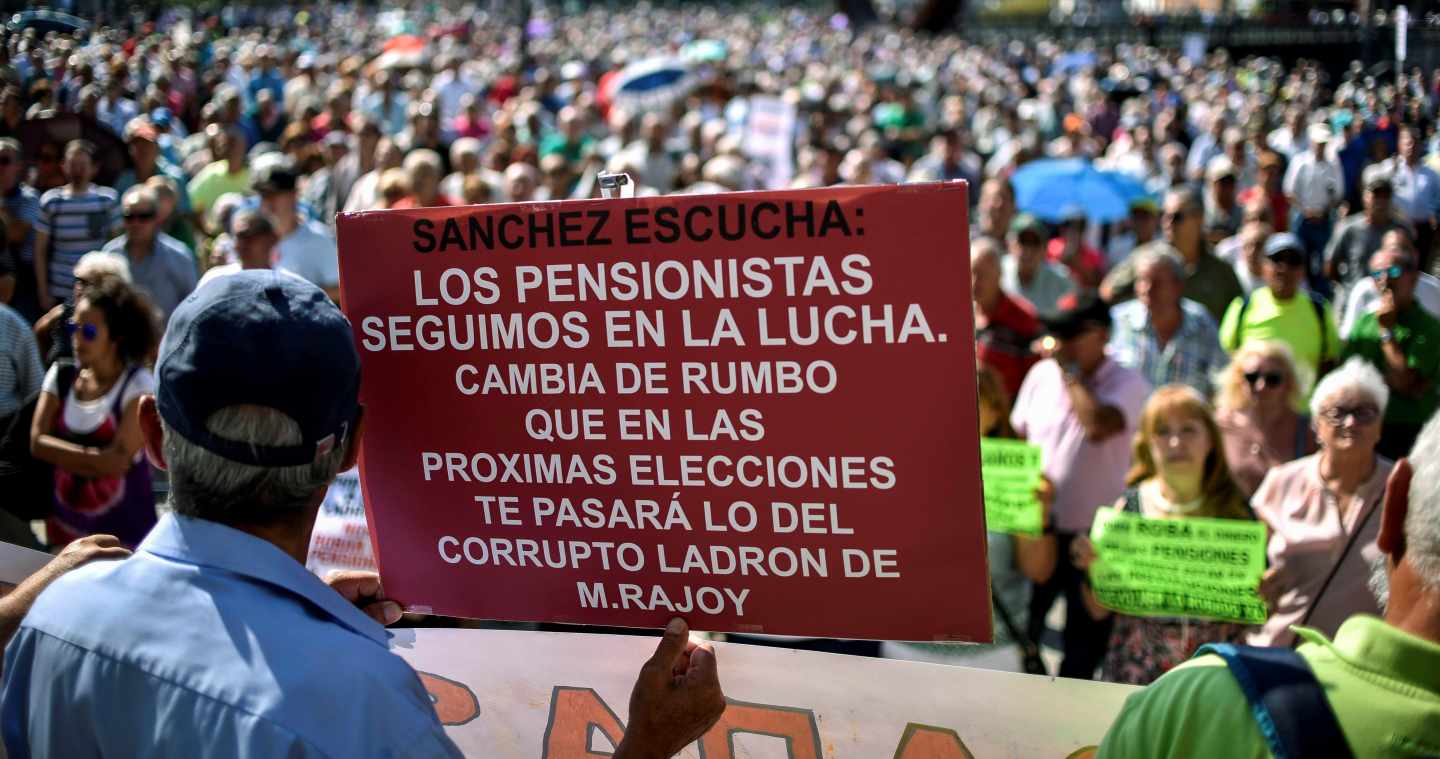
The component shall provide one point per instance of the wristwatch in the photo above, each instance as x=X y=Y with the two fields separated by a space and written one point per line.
x=1387 y=335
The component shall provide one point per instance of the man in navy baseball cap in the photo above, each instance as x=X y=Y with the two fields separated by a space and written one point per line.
x=214 y=622
x=268 y=340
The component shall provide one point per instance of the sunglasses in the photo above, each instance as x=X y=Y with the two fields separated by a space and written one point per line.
x=87 y=331
x=139 y=215
x=1394 y=271
x=1173 y=216
x=6 y=160
x=1272 y=379
x=1364 y=414
x=1286 y=259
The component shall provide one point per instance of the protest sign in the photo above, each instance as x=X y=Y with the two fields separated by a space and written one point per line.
x=1011 y=471
x=520 y=695
x=18 y=562
x=753 y=409
x=341 y=538
x=769 y=139
x=1193 y=567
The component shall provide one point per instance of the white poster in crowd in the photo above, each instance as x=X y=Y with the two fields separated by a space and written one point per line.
x=769 y=140
x=1192 y=46
x=505 y=694
x=341 y=538
x=18 y=562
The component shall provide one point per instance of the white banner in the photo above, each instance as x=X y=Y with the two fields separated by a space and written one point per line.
x=17 y=563
x=565 y=696
x=769 y=140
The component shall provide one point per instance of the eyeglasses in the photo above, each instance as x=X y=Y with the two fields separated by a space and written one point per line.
x=1394 y=271
x=139 y=215
x=86 y=330
x=1363 y=414
x=1272 y=379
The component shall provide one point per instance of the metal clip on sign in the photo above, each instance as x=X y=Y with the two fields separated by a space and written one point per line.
x=609 y=183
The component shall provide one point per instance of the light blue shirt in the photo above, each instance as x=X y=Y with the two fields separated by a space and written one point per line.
x=1417 y=189
x=208 y=642
x=1191 y=357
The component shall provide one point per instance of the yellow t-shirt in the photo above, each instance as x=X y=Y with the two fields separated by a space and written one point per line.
x=1293 y=322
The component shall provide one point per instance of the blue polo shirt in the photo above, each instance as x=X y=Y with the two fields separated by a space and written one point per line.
x=208 y=642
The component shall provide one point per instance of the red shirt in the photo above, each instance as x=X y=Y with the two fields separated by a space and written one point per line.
x=1279 y=207
x=1087 y=269
x=1003 y=344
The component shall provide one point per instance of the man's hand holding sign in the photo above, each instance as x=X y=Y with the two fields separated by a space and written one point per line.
x=620 y=411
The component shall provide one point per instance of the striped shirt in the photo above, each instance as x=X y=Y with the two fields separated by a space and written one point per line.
x=23 y=203
x=77 y=224
x=20 y=372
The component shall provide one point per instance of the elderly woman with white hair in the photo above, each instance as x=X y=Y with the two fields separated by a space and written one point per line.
x=91 y=268
x=1323 y=511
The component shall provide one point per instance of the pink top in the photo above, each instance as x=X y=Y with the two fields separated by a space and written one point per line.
x=1087 y=475
x=1307 y=538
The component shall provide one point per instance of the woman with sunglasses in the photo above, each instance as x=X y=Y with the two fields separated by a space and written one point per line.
x=50 y=331
x=87 y=422
x=1255 y=408
x=1323 y=511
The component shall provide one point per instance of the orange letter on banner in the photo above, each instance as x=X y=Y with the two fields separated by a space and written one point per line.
x=796 y=726
x=929 y=742
x=573 y=712
x=455 y=703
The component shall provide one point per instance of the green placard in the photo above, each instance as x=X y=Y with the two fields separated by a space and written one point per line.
x=1010 y=470
x=1197 y=567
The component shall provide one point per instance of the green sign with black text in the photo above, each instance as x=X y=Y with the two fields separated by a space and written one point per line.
x=1195 y=567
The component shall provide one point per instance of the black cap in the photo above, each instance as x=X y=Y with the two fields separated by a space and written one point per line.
x=260 y=338
x=277 y=176
x=1075 y=314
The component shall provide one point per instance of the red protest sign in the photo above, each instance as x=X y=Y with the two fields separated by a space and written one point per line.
x=754 y=410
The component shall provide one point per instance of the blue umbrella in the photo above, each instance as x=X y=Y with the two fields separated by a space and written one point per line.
x=1049 y=188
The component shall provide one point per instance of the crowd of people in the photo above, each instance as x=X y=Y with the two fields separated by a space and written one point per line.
x=1256 y=340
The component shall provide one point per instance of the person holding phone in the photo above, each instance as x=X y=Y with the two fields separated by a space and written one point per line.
x=1402 y=340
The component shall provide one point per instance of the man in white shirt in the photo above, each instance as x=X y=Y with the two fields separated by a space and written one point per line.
x=1417 y=190
x=306 y=247
x=1314 y=185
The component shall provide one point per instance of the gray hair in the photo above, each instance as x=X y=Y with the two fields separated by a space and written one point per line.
x=1164 y=255
x=985 y=247
x=140 y=193
x=463 y=147
x=206 y=485
x=1422 y=520
x=99 y=263
x=1355 y=373
x=1187 y=196
x=423 y=157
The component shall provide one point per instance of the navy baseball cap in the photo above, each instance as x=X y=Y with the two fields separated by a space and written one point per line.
x=1283 y=242
x=260 y=338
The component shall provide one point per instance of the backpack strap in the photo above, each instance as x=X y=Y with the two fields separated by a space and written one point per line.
x=1288 y=703
x=1240 y=321
x=1318 y=303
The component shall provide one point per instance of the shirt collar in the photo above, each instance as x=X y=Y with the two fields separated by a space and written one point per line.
x=211 y=544
x=1368 y=643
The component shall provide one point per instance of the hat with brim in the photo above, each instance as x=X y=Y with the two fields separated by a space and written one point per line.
x=1281 y=243
x=1027 y=223
x=1319 y=133
x=1075 y=314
